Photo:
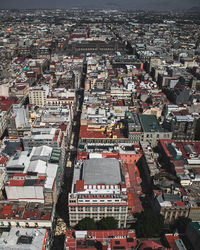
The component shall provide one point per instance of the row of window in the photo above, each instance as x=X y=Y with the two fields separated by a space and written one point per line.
x=91 y=201
x=96 y=209
x=96 y=216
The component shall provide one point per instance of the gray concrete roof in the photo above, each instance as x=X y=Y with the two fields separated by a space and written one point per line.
x=101 y=171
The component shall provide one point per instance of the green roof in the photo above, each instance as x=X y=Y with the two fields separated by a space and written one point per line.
x=54 y=159
x=171 y=197
x=55 y=154
x=150 y=123
x=56 y=150
x=172 y=151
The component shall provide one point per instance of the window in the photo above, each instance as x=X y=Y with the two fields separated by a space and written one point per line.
x=102 y=209
x=94 y=209
x=87 y=209
x=73 y=208
x=116 y=209
x=123 y=208
x=109 y=209
x=80 y=209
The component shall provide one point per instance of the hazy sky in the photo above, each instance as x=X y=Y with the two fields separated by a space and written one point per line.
x=142 y=4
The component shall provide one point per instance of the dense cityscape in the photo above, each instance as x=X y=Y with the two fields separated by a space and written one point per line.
x=99 y=129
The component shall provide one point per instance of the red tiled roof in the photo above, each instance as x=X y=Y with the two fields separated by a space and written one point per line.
x=149 y=245
x=7 y=210
x=171 y=241
x=79 y=185
x=3 y=160
x=114 y=236
x=5 y=103
x=86 y=132
x=132 y=179
x=63 y=127
x=180 y=203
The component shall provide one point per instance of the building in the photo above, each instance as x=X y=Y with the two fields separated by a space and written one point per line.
x=34 y=176
x=25 y=239
x=148 y=164
x=180 y=122
x=134 y=126
x=26 y=214
x=17 y=120
x=32 y=186
x=95 y=46
x=149 y=244
x=3 y=122
x=174 y=242
x=152 y=131
x=171 y=206
x=98 y=191
x=100 y=239
x=39 y=136
x=182 y=159
x=193 y=234
x=38 y=95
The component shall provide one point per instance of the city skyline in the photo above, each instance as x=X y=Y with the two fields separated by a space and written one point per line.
x=99 y=125
x=136 y=4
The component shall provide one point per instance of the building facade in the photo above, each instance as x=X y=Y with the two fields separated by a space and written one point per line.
x=98 y=191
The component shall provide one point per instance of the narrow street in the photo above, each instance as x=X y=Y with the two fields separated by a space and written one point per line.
x=71 y=153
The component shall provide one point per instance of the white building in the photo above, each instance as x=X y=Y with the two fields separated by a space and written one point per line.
x=3 y=121
x=98 y=191
x=38 y=95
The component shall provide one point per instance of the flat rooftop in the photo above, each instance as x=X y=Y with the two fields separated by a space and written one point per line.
x=150 y=123
x=101 y=171
x=23 y=239
x=25 y=211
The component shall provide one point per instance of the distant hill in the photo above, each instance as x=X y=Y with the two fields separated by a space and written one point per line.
x=194 y=9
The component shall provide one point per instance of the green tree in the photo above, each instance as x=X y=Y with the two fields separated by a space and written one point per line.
x=181 y=224
x=149 y=224
x=86 y=224
x=107 y=223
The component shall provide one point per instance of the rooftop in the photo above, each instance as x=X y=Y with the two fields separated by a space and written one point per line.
x=25 y=211
x=150 y=124
x=23 y=239
x=118 y=239
x=101 y=171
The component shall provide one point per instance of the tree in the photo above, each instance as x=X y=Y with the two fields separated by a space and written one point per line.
x=107 y=223
x=181 y=224
x=149 y=224
x=86 y=224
